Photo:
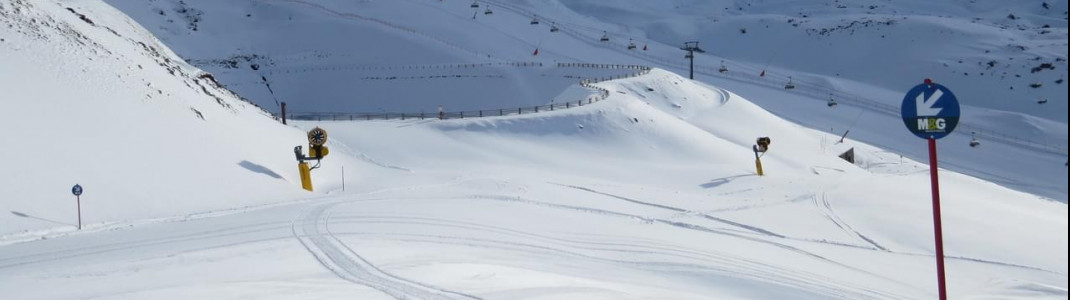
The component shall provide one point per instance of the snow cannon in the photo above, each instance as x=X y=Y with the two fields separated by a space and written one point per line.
x=762 y=144
x=760 y=147
x=316 y=151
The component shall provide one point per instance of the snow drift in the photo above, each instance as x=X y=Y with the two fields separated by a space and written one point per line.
x=95 y=99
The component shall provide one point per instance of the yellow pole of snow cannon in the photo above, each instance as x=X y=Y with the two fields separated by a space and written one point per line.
x=762 y=145
x=306 y=176
x=316 y=150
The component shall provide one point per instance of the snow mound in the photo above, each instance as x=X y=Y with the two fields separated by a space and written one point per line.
x=98 y=101
x=662 y=150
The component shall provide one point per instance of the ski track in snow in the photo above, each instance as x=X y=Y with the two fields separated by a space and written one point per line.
x=825 y=208
x=688 y=226
x=313 y=231
x=679 y=210
x=235 y=231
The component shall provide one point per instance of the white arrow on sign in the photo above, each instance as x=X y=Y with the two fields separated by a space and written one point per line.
x=925 y=106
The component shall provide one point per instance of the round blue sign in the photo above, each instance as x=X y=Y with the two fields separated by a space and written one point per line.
x=930 y=111
x=76 y=190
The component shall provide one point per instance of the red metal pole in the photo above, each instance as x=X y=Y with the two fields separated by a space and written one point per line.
x=937 y=227
x=79 y=211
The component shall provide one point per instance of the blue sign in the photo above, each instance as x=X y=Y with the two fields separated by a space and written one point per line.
x=76 y=190
x=930 y=111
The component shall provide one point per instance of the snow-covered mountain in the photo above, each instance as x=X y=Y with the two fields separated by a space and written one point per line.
x=651 y=192
x=989 y=51
x=414 y=56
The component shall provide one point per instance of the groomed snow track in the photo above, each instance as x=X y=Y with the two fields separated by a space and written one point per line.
x=312 y=229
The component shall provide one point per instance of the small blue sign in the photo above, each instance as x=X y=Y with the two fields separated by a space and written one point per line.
x=930 y=110
x=76 y=190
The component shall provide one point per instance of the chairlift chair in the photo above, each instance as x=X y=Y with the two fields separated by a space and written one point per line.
x=631 y=45
x=535 y=20
x=605 y=37
x=790 y=85
x=1042 y=101
x=832 y=102
x=553 y=27
x=723 y=68
x=973 y=140
x=475 y=4
x=488 y=11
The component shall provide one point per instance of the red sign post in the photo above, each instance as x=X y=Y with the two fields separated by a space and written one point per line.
x=931 y=112
x=934 y=179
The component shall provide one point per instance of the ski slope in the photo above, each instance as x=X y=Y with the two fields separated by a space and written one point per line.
x=633 y=197
x=191 y=192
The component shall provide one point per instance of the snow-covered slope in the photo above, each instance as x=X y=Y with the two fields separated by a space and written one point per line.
x=988 y=49
x=682 y=150
x=972 y=45
x=94 y=99
x=413 y=56
x=650 y=193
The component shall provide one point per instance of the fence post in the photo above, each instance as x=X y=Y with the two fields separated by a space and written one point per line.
x=520 y=111
x=462 y=115
x=284 y=113
x=536 y=109
x=567 y=104
x=480 y=113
